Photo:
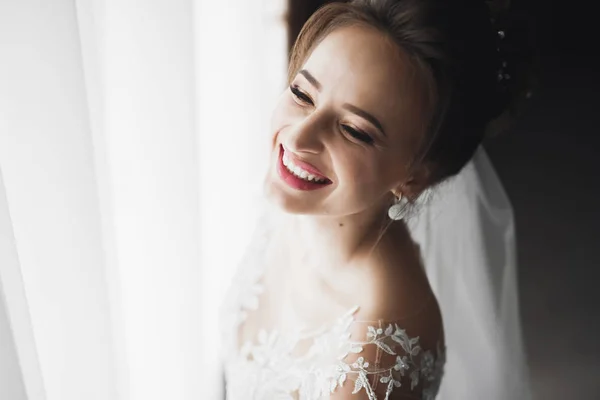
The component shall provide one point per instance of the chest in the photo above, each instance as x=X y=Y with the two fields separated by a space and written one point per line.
x=293 y=300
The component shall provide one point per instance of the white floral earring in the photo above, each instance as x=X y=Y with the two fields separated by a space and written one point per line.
x=398 y=210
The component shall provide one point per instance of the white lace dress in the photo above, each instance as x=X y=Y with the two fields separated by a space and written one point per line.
x=364 y=359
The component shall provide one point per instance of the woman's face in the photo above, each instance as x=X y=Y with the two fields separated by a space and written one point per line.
x=351 y=116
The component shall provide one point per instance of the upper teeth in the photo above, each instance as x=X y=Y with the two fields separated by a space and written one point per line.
x=299 y=172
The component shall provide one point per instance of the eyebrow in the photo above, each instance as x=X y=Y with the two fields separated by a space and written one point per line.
x=358 y=111
x=313 y=81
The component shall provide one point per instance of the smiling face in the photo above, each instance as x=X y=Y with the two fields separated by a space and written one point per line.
x=353 y=115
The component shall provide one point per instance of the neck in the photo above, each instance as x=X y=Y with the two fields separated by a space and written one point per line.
x=333 y=241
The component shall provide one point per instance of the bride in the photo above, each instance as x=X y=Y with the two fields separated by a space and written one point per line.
x=386 y=100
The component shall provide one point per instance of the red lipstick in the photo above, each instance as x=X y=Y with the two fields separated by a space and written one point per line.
x=296 y=182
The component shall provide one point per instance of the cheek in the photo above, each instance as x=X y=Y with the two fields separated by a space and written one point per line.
x=282 y=113
x=276 y=114
x=361 y=172
x=371 y=177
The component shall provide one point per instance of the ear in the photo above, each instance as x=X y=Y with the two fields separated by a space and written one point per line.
x=415 y=185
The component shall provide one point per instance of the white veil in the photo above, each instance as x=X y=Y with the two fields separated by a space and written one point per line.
x=467 y=237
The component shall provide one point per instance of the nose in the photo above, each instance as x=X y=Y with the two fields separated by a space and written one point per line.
x=307 y=135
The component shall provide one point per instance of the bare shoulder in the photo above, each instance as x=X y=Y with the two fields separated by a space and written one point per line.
x=395 y=287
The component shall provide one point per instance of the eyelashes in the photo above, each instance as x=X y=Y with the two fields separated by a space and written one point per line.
x=301 y=97
x=363 y=137
x=298 y=94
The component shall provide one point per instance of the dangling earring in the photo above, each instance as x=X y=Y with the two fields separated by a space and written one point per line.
x=398 y=210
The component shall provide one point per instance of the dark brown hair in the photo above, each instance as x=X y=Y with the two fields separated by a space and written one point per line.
x=455 y=47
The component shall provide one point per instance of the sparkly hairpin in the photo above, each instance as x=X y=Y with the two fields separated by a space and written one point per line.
x=503 y=74
x=513 y=55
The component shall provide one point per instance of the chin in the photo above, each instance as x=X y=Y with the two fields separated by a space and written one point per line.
x=276 y=197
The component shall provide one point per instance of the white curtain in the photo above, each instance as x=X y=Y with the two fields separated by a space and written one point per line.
x=132 y=145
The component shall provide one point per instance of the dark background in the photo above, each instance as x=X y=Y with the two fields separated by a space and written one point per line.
x=549 y=164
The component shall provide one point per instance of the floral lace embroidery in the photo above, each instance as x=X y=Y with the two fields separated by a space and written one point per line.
x=411 y=362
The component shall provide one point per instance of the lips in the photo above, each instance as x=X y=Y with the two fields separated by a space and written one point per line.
x=295 y=182
x=304 y=165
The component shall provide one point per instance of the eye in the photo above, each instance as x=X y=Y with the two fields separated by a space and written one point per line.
x=300 y=96
x=363 y=137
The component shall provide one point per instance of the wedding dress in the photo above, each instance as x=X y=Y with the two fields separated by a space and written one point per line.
x=467 y=239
